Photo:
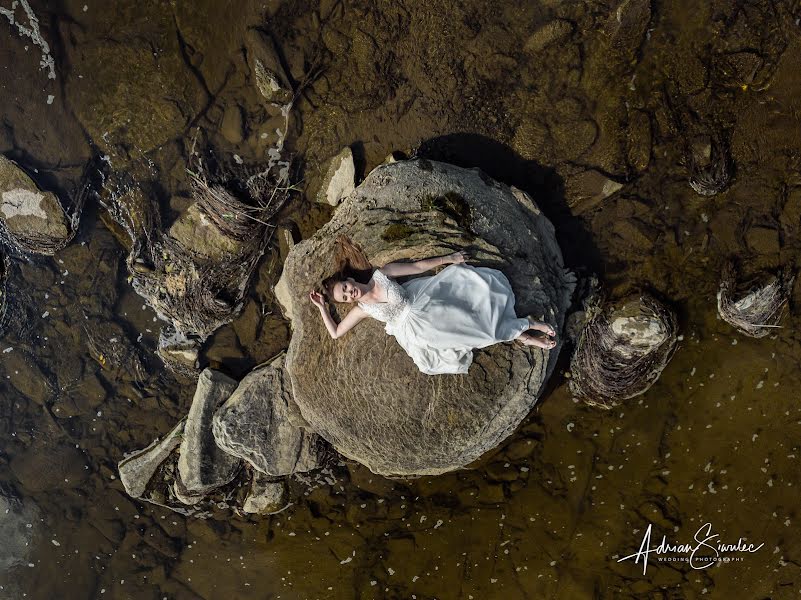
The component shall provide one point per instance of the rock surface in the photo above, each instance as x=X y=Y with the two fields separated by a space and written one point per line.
x=340 y=179
x=254 y=424
x=137 y=470
x=203 y=466
x=45 y=467
x=27 y=211
x=364 y=394
x=17 y=517
x=267 y=495
x=587 y=190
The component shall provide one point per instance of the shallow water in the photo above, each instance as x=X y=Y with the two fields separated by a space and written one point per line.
x=573 y=490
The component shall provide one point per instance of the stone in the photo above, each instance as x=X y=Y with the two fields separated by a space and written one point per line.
x=18 y=517
x=150 y=97
x=197 y=233
x=763 y=240
x=586 y=190
x=364 y=395
x=203 y=466
x=232 y=126
x=254 y=424
x=267 y=495
x=626 y=26
x=137 y=469
x=25 y=210
x=548 y=34
x=339 y=180
x=264 y=67
x=45 y=467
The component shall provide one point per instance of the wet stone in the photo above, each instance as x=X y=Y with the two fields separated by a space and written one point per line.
x=586 y=190
x=233 y=124
x=267 y=495
x=137 y=470
x=26 y=210
x=339 y=180
x=203 y=466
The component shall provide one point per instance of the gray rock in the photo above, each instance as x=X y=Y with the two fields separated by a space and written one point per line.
x=364 y=395
x=18 y=517
x=137 y=469
x=26 y=211
x=586 y=190
x=339 y=180
x=267 y=495
x=254 y=424
x=203 y=466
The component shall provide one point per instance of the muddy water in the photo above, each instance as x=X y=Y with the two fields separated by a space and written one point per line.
x=549 y=514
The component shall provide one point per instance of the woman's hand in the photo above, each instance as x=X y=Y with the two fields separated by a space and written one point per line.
x=317 y=299
x=457 y=257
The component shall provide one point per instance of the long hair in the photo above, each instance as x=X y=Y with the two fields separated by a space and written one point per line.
x=350 y=261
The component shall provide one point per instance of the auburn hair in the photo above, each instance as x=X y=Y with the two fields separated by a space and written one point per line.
x=350 y=261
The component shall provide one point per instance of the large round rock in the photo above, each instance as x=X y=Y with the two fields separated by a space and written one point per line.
x=362 y=392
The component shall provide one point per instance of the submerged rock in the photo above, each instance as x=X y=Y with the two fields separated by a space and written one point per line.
x=203 y=466
x=47 y=466
x=548 y=34
x=17 y=516
x=754 y=307
x=137 y=470
x=254 y=424
x=267 y=495
x=363 y=394
x=30 y=219
x=622 y=350
x=339 y=180
x=587 y=190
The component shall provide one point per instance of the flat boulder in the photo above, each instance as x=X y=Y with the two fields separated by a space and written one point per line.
x=362 y=393
x=254 y=424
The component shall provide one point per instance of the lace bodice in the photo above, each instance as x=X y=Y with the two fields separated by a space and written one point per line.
x=397 y=300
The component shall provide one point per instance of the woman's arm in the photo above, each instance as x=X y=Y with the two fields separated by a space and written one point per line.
x=337 y=330
x=399 y=269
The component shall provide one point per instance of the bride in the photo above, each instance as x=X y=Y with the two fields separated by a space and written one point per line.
x=438 y=320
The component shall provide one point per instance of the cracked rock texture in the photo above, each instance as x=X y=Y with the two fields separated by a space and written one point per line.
x=255 y=424
x=362 y=392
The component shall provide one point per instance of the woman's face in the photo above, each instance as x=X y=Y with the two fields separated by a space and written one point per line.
x=346 y=291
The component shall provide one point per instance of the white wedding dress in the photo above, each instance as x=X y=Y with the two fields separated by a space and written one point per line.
x=439 y=320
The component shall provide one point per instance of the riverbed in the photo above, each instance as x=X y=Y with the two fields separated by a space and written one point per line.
x=533 y=93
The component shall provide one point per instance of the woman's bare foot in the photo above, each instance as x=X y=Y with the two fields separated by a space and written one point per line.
x=540 y=326
x=545 y=343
